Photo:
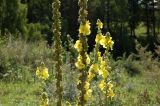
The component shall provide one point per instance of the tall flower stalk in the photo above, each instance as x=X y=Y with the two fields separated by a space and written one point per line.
x=42 y=74
x=83 y=59
x=57 y=45
x=106 y=42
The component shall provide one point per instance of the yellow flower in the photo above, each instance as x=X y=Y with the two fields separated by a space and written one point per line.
x=105 y=73
x=110 y=85
x=110 y=91
x=78 y=46
x=94 y=68
x=99 y=24
x=102 y=85
x=103 y=70
x=68 y=103
x=88 y=59
x=110 y=42
x=45 y=102
x=103 y=41
x=44 y=99
x=90 y=76
x=79 y=64
x=86 y=86
x=98 y=37
x=111 y=94
x=85 y=28
x=42 y=73
x=88 y=94
x=99 y=56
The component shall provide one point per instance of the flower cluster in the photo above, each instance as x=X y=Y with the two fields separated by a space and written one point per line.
x=78 y=46
x=110 y=91
x=103 y=68
x=44 y=99
x=104 y=40
x=88 y=93
x=93 y=70
x=79 y=64
x=42 y=72
x=83 y=60
x=84 y=28
x=103 y=63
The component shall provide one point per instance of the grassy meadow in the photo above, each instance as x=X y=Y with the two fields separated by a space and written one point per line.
x=136 y=78
x=79 y=53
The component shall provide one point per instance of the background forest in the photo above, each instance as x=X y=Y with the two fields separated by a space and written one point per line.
x=26 y=39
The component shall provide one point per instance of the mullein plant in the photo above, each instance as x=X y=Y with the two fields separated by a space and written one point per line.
x=57 y=45
x=83 y=59
x=42 y=74
x=102 y=64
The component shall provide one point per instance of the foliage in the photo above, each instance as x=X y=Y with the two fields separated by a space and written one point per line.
x=13 y=17
x=129 y=90
x=135 y=74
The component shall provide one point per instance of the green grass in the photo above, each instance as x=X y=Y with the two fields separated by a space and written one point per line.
x=18 y=94
x=135 y=90
x=129 y=93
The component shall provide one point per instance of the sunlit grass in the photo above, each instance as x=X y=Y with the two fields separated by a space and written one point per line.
x=18 y=94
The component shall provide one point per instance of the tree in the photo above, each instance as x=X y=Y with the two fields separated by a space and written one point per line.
x=133 y=8
x=13 y=16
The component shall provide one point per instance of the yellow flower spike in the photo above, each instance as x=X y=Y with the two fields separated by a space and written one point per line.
x=99 y=24
x=85 y=28
x=102 y=85
x=78 y=46
x=88 y=94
